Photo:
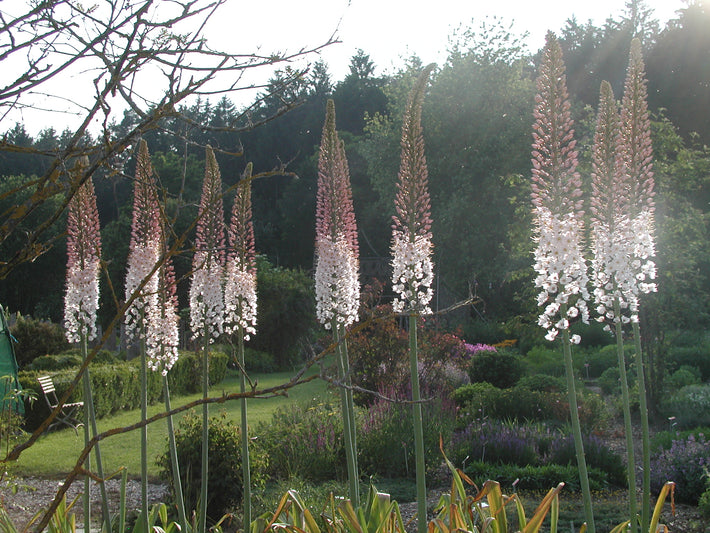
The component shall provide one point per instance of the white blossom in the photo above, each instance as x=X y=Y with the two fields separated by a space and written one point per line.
x=206 y=300
x=412 y=273
x=240 y=300
x=336 y=282
x=561 y=272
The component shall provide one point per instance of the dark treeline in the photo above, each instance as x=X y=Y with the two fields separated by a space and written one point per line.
x=477 y=122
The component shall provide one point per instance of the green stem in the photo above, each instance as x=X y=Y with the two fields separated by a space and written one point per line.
x=144 y=429
x=348 y=433
x=576 y=428
x=177 y=480
x=205 y=434
x=418 y=427
x=87 y=437
x=90 y=417
x=645 y=439
x=351 y=411
x=246 y=471
x=631 y=460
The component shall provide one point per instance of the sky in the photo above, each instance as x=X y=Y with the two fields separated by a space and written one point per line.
x=388 y=30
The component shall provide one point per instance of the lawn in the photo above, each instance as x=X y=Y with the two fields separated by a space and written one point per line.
x=54 y=454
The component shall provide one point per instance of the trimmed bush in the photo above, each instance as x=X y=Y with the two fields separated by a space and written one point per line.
x=600 y=360
x=502 y=369
x=542 y=360
x=684 y=376
x=480 y=400
x=225 y=485
x=531 y=477
x=543 y=383
x=117 y=386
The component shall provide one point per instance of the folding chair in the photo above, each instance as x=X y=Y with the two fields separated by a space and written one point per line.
x=67 y=414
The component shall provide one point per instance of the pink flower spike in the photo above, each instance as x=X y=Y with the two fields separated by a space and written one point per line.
x=240 y=302
x=556 y=196
x=206 y=299
x=412 y=247
x=144 y=250
x=337 y=278
x=81 y=300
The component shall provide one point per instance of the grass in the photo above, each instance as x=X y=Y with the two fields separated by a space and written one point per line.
x=54 y=454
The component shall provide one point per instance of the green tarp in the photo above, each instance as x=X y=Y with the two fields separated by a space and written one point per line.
x=8 y=369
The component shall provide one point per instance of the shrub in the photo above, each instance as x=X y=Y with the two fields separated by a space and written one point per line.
x=598 y=455
x=224 y=489
x=483 y=331
x=684 y=376
x=663 y=440
x=379 y=356
x=690 y=406
x=534 y=477
x=497 y=442
x=599 y=360
x=256 y=361
x=610 y=381
x=541 y=360
x=542 y=383
x=685 y=463
x=35 y=338
x=54 y=362
x=285 y=313
x=704 y=501
x=481 y=400
x=304 y=441
x=386 y=440
x=696 y=354
x=502 y=369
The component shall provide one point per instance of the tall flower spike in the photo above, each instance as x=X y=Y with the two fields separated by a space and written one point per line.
x=635 y=149
x=81 y=300
x=556 y=195
x=206 y=300
x=240 y=287
x=163 y=320
x=144 y=248
x=636 y=161
x=609 y=225
x=336 y=279
x=412 y=248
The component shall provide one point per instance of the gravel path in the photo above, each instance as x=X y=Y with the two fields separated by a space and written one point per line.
x=24 y=497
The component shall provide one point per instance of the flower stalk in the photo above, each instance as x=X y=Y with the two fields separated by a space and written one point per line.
x=336 y=278
x=81 y=303
x=142 y=287
x=609 y=246
x=559 y=261
x=206 y=298
x=240 y=304
x=636 y=155
x=412 y=267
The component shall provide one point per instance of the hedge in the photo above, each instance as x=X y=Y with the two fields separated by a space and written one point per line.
x=116 y=387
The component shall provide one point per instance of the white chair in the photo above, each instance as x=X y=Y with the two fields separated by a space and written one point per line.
x=67 y=414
